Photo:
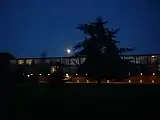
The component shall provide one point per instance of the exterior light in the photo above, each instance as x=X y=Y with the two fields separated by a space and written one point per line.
x=67 y=75
x=76 y=74
x=141 y=74
x=153 y=73
x=48 y=74
x=86 y=74
x=31 y=74
x=153 y=56
x=77 y=81
x=53 y=69
x=87 y=81
x=129 y=73
x=141 y=81
x=28 y=75
x=40 y=74
x=152 y=81
x=129 y=81
x=107 y=81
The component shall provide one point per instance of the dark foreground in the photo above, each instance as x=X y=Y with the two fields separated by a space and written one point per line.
x=82 y=100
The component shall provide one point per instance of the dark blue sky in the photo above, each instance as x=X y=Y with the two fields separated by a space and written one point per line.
x=30 y=27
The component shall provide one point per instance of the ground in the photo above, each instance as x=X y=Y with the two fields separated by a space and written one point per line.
x=82 y=100
x=132 y=79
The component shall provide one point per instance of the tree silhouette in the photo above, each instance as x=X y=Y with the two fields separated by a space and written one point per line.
x=5 y=74
x=103 y=60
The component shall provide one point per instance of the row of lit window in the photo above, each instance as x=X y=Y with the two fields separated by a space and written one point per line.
x=31 y=61
x=141 y=59
x=63 y=61
x=74 y=61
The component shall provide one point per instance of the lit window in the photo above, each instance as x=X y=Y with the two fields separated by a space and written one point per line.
x=53 y=69
x=29 y=62
x=20 y=61
x=67 y=75
x=153 y=59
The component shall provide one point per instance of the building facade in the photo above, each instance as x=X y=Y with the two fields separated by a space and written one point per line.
x=152 y=60
x=137 y=59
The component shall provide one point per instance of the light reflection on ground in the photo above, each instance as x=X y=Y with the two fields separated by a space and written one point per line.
x=133 y=79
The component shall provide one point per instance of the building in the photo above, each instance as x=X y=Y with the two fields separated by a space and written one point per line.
x=71 y=63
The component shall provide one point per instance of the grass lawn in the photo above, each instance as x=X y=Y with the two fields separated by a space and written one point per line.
x=83 y=100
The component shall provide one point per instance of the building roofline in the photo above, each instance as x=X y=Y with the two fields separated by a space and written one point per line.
x=154 y=54
x=76 y=57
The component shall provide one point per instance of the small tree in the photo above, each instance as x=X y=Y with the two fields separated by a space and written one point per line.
x=103 y=60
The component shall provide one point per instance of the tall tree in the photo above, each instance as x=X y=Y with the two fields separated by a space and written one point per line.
x=102 y=54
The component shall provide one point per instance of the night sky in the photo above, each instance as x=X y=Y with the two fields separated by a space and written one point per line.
x=30 y=27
